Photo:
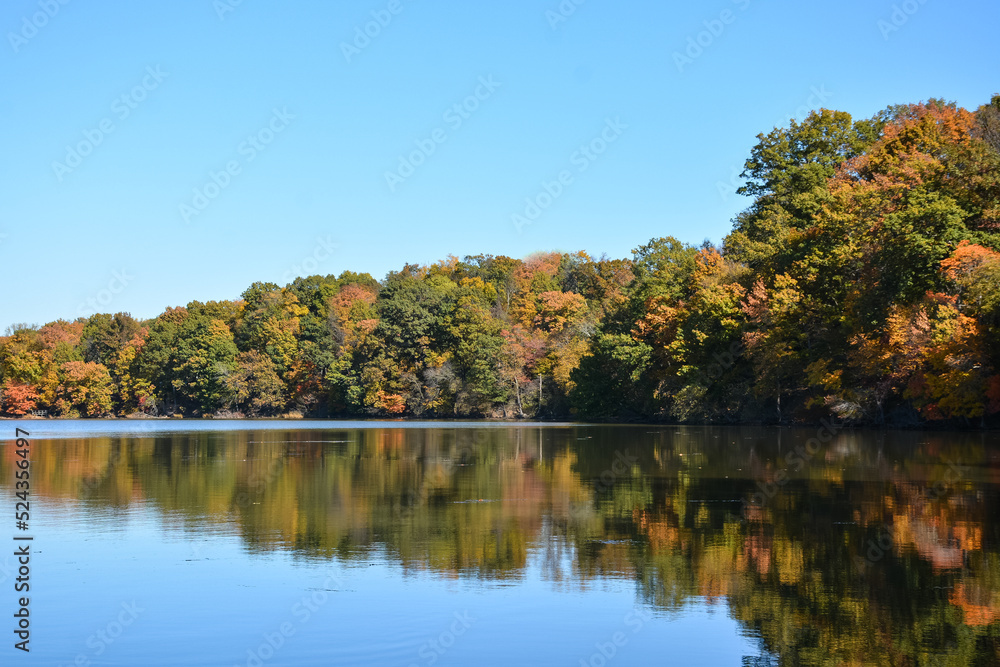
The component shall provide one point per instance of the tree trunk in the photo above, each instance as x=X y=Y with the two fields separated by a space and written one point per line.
x=539 y=411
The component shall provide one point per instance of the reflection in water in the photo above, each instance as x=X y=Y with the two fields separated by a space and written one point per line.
x=870 y=548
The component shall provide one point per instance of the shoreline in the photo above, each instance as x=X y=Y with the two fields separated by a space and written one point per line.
x=859 y=426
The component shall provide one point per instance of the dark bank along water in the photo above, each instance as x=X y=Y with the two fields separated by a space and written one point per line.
x=336 y=543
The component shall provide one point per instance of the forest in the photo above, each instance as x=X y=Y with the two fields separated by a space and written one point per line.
x=862 y=283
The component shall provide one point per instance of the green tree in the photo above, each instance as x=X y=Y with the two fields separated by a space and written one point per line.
x=788 y=173
x=611 y=381
x=158 y=362
x=255 y=386
x=205 y=358
x=86 y=390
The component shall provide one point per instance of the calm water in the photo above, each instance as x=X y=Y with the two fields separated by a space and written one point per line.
x=343 y=543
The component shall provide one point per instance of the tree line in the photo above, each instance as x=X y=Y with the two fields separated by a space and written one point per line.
x=863 y=283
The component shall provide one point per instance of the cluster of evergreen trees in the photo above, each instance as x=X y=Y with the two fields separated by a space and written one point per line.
x=863 y=282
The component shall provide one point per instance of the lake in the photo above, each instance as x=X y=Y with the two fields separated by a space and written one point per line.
x=402 y=543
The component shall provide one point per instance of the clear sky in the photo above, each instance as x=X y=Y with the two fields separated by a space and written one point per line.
x=117 y=114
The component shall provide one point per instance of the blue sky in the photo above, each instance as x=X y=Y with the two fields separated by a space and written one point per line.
x=117 y=114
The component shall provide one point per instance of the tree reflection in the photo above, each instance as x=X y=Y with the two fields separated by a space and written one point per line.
x=883 y=549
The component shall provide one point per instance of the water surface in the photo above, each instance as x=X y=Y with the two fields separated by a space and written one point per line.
x=385 y=543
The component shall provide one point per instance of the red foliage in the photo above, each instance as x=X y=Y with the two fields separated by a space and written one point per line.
x=18 y=398
x=993 y=395
x=60 y=331
x=967 y=258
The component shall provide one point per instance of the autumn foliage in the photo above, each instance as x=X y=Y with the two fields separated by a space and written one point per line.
x=862 y=282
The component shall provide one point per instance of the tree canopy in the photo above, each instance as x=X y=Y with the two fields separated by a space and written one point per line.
x=862 y=282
